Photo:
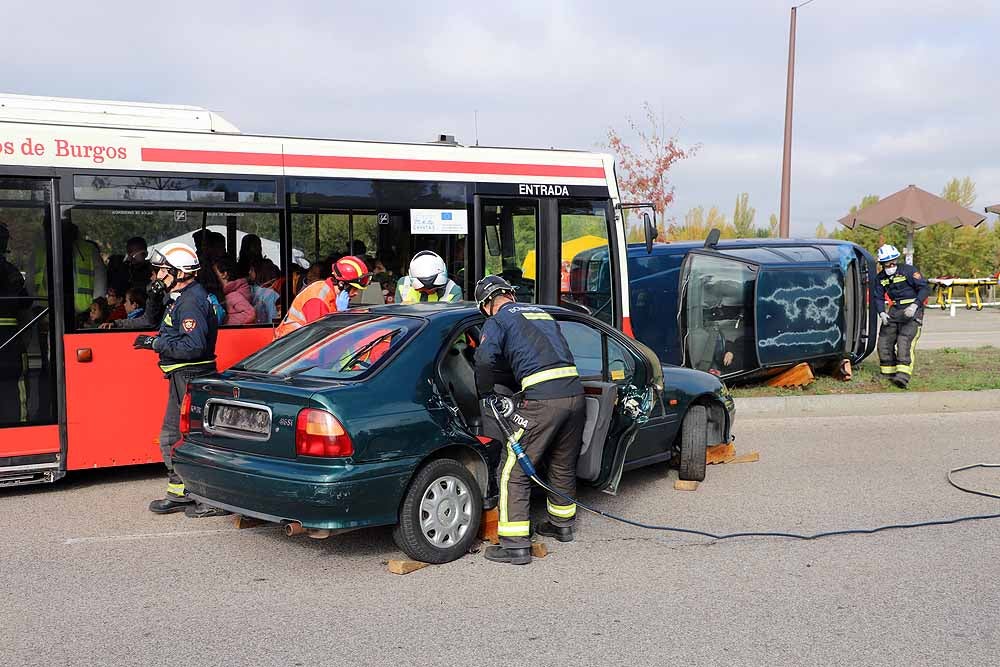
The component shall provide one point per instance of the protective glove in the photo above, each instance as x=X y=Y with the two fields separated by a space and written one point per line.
x=144 y=342
x=883 y=318
x=910 y=311
x=343 y=300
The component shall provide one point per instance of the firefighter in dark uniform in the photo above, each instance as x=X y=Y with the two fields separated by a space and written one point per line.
x=522 y=348
x=186 y=345
x=900 y=330
x=14 y=304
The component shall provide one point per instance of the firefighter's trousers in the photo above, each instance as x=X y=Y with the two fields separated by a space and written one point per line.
x=897 y=343
x=552 y=430
x=170 y=432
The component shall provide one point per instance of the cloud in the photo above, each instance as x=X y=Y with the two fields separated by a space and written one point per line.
x=888 y=92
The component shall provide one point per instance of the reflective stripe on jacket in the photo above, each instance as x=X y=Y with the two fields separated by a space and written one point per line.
x=295 y=318
x=450 y=293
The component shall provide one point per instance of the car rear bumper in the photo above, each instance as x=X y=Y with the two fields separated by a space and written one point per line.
x=335 y=496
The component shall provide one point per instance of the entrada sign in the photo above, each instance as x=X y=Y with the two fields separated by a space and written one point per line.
x=535 y=190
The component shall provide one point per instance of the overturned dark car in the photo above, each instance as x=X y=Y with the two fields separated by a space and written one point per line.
x=743 y=309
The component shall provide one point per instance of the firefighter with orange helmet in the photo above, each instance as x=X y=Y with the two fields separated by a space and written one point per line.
x=186 y=345
x=349 y=275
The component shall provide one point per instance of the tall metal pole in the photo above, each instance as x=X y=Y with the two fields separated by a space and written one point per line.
x=786 y=159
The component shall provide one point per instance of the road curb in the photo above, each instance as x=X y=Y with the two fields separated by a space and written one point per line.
x=863 y=405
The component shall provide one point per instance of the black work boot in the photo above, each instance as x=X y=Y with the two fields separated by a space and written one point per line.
x=170 y=504
x=900 y=380
x=203 y=511
x=561 y=533
x=511 y=556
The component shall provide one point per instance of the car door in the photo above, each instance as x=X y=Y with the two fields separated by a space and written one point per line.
x=619 y=394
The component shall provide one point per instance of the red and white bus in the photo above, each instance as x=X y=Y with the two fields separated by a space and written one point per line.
x=79 y=179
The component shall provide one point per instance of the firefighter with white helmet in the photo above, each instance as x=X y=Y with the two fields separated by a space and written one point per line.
x=901 y=324
x=186 y=345
x=427 y=281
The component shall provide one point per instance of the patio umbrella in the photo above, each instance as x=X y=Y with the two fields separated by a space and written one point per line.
x=914 y=209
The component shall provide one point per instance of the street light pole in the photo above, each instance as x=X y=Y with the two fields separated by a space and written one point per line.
x=786 y=158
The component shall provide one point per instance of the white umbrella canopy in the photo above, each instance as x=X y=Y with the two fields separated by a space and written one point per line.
x=914 y=208
x=271 y=249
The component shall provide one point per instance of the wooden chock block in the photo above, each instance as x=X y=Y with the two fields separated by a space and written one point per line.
x=539 y=550
x=406 y=566
x=685 y=485
x=751 y=457
x=247 y=522
x=488 y=526
x=720 y=453
x=796 y=376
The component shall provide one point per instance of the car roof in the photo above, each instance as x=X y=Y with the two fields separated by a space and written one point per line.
x=760 y=251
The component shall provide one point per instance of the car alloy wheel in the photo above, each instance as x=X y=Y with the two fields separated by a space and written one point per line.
x=445 y=511
x=440 y=514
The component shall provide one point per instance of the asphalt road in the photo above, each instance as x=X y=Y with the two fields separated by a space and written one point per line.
x=969 y=328
x=90 y=577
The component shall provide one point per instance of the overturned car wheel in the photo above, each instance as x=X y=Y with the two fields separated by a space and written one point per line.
x=440 y=515
x=694 y=444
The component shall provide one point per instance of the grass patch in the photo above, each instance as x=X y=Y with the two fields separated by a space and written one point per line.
x=945 y=369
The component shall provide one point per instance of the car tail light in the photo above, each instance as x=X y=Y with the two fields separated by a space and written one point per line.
x=318 y=433
x=185 y=422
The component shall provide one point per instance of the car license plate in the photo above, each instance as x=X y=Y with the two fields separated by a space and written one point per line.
x=239 y=418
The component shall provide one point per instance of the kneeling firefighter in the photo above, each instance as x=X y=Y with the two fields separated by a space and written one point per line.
x=186 y=345
x=900 y=330
x=522 y=346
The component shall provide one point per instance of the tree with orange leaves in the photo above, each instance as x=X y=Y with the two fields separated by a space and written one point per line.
x=642 y=169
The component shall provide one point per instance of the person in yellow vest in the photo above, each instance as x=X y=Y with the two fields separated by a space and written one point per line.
x=349 y=276
x=90 y=278
x=427 y=281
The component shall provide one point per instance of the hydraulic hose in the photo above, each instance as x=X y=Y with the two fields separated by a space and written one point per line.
x=529 y=470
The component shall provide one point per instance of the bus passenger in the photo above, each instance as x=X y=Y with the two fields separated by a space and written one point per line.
x=349 y=276
x=263 y=280
x=427 y=281
x=14 y=305
x=251 y=250
x=239 y=310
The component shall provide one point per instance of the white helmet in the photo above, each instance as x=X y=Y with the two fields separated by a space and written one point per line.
x=887 y=253
x=428 y=270
x=179 y=256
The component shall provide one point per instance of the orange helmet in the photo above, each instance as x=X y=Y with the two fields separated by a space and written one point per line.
x=353 y=271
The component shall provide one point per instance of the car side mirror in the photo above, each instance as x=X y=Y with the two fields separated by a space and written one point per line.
x=651 y=232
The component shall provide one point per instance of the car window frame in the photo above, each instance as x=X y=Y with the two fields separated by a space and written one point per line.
x=606 y=331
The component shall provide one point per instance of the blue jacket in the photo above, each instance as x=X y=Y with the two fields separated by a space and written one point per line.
x=188 y=331
x=522 y=347
x=905 y=287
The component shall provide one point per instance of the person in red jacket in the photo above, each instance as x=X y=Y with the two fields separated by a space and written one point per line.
x=239 y=307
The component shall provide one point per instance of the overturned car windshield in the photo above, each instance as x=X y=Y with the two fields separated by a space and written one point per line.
x=345 y=346
x=718 y=312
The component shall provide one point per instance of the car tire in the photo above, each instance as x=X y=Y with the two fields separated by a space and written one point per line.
x=440 y=515
x=694 y=444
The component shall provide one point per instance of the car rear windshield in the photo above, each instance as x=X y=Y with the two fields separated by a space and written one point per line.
x=344 y=346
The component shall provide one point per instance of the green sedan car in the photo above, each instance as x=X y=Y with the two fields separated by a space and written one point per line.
x=371 y=417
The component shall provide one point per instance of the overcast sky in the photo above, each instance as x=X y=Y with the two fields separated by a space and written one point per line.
x=888 y=92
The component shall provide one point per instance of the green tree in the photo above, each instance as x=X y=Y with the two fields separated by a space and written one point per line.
x=960 y=191
x=743 y=216
x=697 y=224
x=772 y=226
x=821 y=232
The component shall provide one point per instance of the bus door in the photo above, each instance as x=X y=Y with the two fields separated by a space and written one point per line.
x=552 y=250
x=116 y=395
x=29 y=432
